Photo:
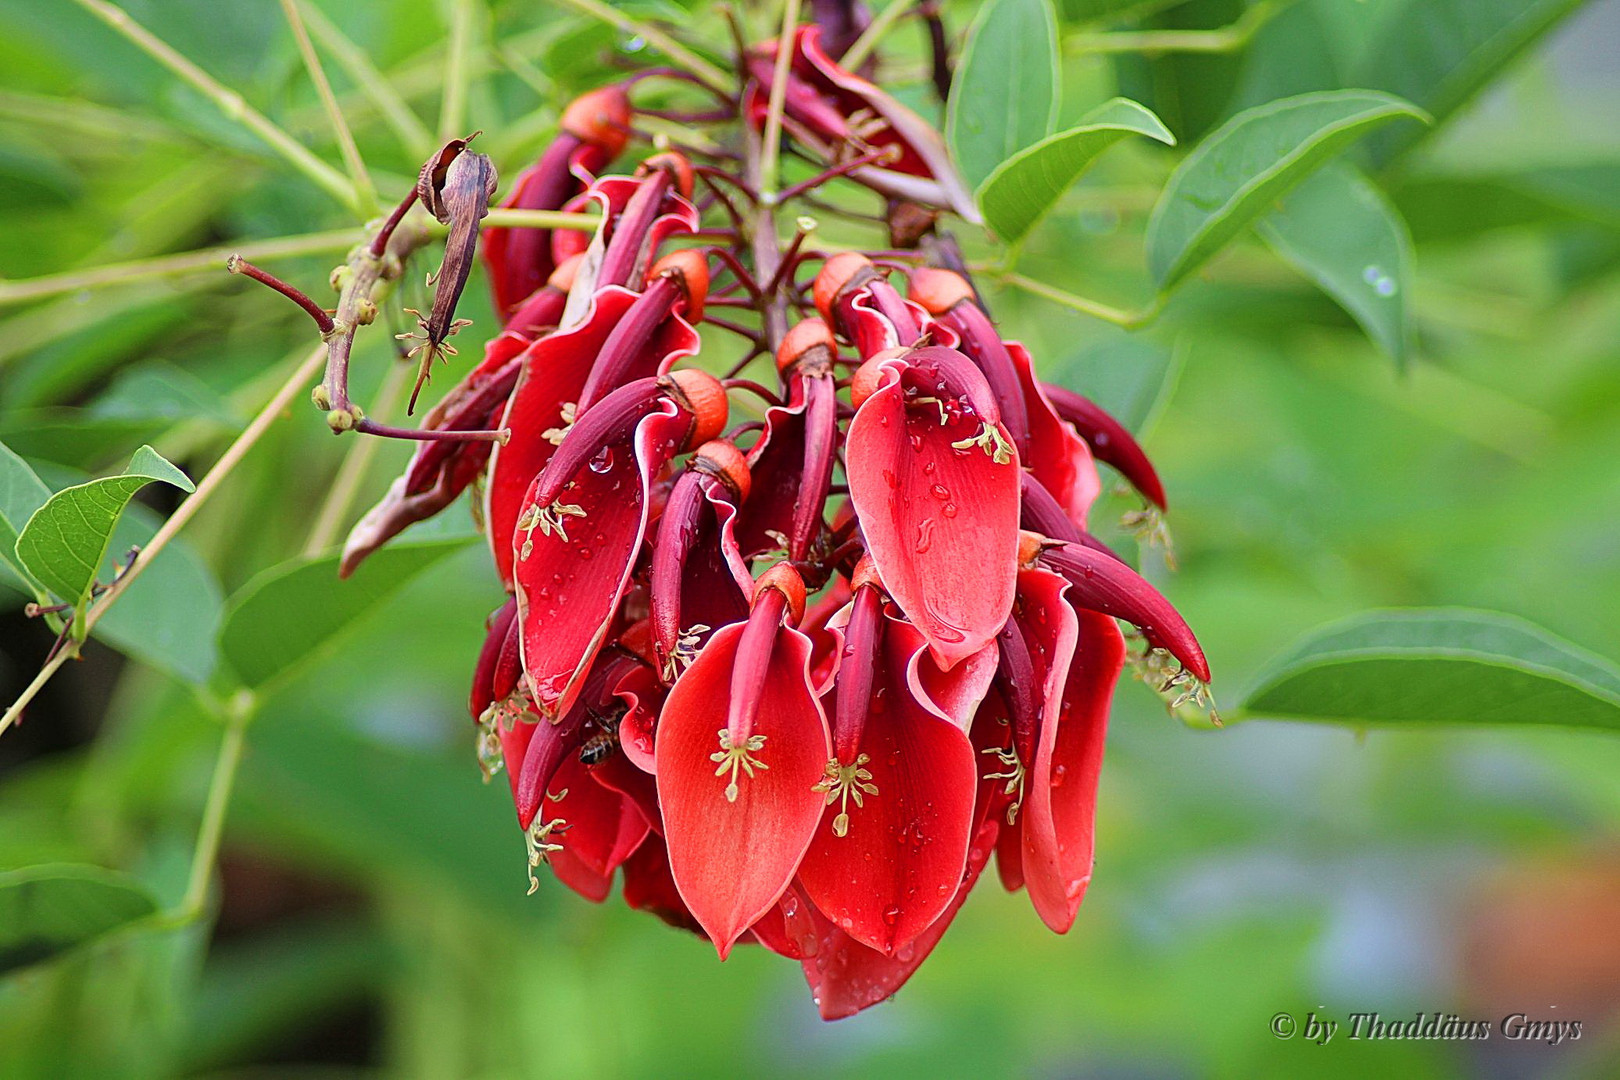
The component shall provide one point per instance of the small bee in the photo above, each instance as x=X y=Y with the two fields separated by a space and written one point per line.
x=604 y=740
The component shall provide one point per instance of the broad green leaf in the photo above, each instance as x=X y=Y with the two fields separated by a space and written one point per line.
x=66 y=539
x=290 y=613
x=1438 y=54
x=1252 y=160
x=1439 y=666
x=21 y=493
x=1005 y=94
x=1023 y=188
x=1340 y=230
x=46 y=910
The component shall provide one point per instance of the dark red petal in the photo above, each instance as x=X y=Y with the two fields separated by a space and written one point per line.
x=733 y=859
x=496 y=636
x=896 y=868
x=846 y=976
x=649 y=886
x=1110 y=440
x=569 y=582
x=1060 y=803
x=604 y=828
x=940 y=522
x=554 y=369
x=1059 y=458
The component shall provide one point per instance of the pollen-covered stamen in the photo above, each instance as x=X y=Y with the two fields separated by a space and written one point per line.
x=569 y=413
x=1179 y=688
x=537 y=840
x=680 y=281
x=950 y=299
x=548 y=519
x=684 y=651
x=1013 y=772
x=1104 y=584
x=1151 y=530
x=845 y=782
x=992 y=442
x=737 y=756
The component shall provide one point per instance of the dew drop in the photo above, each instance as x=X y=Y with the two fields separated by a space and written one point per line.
x=949 y=510
x=925 y=535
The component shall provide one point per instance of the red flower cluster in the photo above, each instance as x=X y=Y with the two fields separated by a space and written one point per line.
x=785 y=706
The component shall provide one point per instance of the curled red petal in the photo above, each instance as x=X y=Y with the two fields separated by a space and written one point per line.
x=940 y=521
x=1059 y=458
x=603 y=830
x=886 y=861
x=554 y=370
x=846 y=976
x=570 y=574
x=650 y=887
x=1060 y=802
x=1110 y=440
x=732 y=859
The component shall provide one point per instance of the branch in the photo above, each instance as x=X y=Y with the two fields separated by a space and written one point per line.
x=711 y=76
x=229 y=102
x=358 y=66
x=163 y=266
x=364 y=189
x=1129 y=320
x=858 y=52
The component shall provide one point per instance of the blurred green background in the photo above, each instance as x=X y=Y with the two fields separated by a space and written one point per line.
x=371 y=918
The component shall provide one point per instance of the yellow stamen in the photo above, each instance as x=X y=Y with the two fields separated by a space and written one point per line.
x=1014 y=777
x=843 y=782
x=732 y=758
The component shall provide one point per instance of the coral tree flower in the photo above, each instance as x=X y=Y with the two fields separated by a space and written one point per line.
x=792 y=678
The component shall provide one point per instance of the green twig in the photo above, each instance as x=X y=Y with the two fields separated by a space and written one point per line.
x=365 y=190
x=1225 y=39
x=238 y=714
x=858 y=52
x=229 y=102
x=453 y=103
x=1129 y=320
x=680 y=54
x=352 y=472
x=773 y=111
x=163 y=266
x=358 y=66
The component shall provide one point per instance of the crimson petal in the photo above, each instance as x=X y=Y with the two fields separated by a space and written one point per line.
x=732 y=859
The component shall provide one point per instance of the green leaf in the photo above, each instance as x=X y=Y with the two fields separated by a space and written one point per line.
x=290 y=613
x=1024 y=187
x=1252 y=160
x=1005 y=93
x=1439 y=53
x=66 y=539
x=46 y=910
x=21 y=493
x=1439 y=666
x=1340 y=230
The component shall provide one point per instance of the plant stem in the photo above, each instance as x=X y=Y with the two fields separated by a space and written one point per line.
x=229 y=102
x=364 y=189
x=1129 y=320
x=238 y=714
x=228 y=461
x=501 y=217
x=858 y=52
x=1225 y=39
x=711 y=76
x=346 y=483
x=766 y=182
x=453 y=103
x=358 y=66
x=190 y=262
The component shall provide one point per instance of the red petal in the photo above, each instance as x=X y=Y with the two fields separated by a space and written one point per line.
x=649 y=886
x=941 y=523
x=568 y=589
x=896 y=869
x=846 y=977
x=1059 y=458
x=1060 y=803
x=732 y=860
x=555 y=369
x=603 y=830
